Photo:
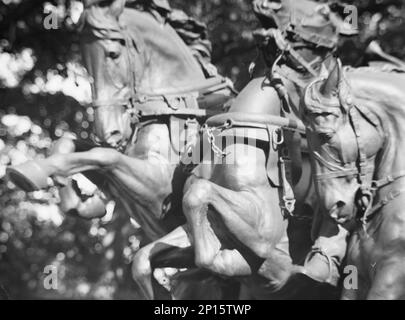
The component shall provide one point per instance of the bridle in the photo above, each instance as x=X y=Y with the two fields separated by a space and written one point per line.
x=129 y=103
x=118 y=32
x=361 y=167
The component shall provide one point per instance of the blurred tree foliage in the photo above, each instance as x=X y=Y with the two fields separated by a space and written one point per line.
x=44 y=94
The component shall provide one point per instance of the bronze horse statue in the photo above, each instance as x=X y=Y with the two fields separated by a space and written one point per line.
x=148 y=91
x=356 y=134
x=237 y=215
x=236 y=208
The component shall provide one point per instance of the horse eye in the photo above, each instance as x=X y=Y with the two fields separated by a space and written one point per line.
x=325 y=136
x=113 y=54
x=113 y=50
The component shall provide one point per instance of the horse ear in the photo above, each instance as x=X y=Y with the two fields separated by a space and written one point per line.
x=117 y=7
x=331 y=85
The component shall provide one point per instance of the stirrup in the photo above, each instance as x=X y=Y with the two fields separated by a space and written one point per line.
x=333 y=277
x=29 y=176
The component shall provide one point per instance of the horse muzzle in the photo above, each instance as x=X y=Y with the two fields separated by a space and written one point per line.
x=341 y=212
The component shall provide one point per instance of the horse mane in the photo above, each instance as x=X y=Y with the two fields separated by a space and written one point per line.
x=384 y=88
x=191 y=31
x=382 y=94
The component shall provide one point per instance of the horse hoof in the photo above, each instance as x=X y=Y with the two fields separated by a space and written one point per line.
x=322 y=269
x=29 y=176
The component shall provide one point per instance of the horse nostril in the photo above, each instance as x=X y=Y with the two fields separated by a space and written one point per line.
x=340 y=204
x=115 y=133
x=335 y=211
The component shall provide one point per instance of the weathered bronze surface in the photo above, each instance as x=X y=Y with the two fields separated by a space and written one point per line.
x=304 y=152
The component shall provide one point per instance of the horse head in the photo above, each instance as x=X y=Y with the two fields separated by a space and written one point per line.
x=132 y=53
x=344 y=140
x=107 y=54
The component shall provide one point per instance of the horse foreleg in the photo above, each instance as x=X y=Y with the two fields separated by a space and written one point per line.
x=34 y=174
x=248 y=215
x=240 y=217
x=142 y=269
x=328 y=251
x=72 y=163
x=389 y=275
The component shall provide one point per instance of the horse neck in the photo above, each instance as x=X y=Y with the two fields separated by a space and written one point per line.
x=382 y=95
x=169 y=63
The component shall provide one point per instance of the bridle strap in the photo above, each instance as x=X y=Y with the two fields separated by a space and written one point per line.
x=378 y=184
x=372 y=211
x=111 y=104
x=131 y=64
x=354 y=119
x=369 y=189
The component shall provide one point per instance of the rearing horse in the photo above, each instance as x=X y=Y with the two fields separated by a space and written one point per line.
x=147 y=89
x=356 y=134
x=237 y=215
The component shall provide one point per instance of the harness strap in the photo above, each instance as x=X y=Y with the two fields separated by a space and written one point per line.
x=288 y=197
x=182 y=133
x=340 y=173
x=259 y=121
x=272 y=161
x=372 y=211
x=336 y=171
x=279 y=169
x=377 y=184
x=365 y=186
x=202 y=87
